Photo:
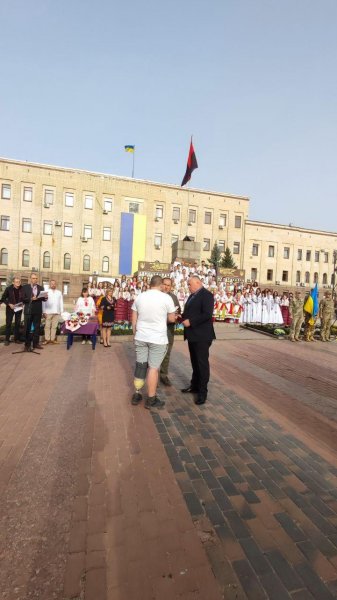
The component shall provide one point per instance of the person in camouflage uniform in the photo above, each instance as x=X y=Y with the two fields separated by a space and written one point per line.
x=296 y=313
x=326 y=314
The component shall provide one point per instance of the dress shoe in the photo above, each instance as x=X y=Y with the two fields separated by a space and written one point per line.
x=165 y=380
x=201 y=399
x=136 y=398
x=189 y=390
x=38 y=347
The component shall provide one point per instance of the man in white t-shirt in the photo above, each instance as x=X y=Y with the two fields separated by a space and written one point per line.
x=151 y=312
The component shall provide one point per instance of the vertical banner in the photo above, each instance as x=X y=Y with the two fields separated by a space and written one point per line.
x=132 y=244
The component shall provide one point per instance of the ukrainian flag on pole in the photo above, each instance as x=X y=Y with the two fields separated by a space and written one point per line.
x=311 y=306
x=129 y=148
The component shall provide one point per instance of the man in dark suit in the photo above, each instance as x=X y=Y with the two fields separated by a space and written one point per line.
x=197 y=319
x=13 y=295
x=32 y=312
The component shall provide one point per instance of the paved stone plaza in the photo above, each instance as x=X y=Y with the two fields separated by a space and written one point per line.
x=236 y=499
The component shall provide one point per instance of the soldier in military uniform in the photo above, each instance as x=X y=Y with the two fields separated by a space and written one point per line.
x=296 y=313
x=326 y=314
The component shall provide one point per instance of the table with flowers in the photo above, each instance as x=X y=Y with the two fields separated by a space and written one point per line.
x=80 y=324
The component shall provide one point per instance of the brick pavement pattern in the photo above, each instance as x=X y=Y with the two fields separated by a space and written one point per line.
x=235 y=499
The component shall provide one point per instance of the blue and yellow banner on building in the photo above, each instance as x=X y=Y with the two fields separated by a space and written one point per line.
x=132 y=242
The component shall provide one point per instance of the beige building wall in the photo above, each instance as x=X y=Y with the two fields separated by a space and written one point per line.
x=40 y=193
x=288 y=255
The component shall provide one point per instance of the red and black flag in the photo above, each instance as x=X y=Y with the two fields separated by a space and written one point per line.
x=191 y=165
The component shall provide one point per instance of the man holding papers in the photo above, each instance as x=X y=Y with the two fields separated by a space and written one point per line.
x=13 y=298
x=33 y=296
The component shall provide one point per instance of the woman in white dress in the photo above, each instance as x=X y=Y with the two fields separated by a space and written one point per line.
x=257 y=306
x=276 y=314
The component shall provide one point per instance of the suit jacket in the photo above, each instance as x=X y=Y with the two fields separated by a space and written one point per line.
x=8 y=296
x=32 y=308
x=199 y=311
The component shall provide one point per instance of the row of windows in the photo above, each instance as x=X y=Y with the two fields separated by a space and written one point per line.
x=69 y=201
x=46 y=260
x=285 y=276
x=48 y=228
x=49 y=197
x=286 y=253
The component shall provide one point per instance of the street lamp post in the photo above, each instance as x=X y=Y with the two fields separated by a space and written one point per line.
x=334 y=254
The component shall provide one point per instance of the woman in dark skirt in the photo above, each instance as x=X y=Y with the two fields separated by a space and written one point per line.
x=108 y=307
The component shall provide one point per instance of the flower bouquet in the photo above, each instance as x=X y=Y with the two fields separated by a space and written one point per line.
x=76 y=320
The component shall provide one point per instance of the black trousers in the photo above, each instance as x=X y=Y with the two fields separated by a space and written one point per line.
x=9 y=319
x=35 y=321
x=199 y=353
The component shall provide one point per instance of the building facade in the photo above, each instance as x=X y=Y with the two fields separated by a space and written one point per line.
x=72 y=224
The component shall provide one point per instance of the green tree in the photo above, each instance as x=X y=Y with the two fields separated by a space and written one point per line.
x=215 y=258
x=227 y=261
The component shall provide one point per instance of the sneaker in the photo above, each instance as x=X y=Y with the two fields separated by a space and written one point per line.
x=154 y=402
x=136 y=398
x=83 y=342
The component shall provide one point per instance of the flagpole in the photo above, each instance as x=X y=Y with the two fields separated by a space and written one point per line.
x=133 y=163
x=188 y=198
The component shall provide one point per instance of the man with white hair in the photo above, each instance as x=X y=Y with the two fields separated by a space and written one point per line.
x=197 y=319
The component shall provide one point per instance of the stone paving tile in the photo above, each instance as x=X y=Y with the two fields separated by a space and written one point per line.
x=273 y=516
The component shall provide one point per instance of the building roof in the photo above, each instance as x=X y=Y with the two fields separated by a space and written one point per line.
x=290 y=226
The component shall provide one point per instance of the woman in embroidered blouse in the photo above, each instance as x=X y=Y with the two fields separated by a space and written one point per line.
x=86 y=305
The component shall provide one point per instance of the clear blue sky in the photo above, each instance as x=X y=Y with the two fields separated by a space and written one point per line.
x=255 y=81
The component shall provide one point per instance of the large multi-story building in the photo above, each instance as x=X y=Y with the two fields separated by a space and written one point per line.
x=71 y=224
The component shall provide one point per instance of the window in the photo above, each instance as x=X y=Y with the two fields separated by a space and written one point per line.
x=284 y=275
x=325 y=279
x=4 y=256
x=308 y=255
x=68 y=230
x=298 y=276
x=222 y=220
x=253 y=274
x=307 y=277
x=69 y=199
x=134 y=207
x=192 y=215
x=88 y=201
x=67 y=261
x=270 y=275
x=326 y=257
x=107 y=234
x=49 y=196
x=286 y=254
x=4 y=224
x=299 y=254
x=207 y=244
x=65 y=288
x=28 y=194
x=236 y=248
x=46 y=260
x=47 y=227
x=86 y=262
x=25 y=258
x=221 y=245
x=315 y=277
x=237 y=222
x=174 y=238
x=27 y=225
x=108 y=204
x=316 y=256
x=6 y=191
x=271 y=251
x=176 y=213
x=159 y=211
x=87 y=231
x=105 y=264
x=255 y=250
x=157 y=240
x=208 y=218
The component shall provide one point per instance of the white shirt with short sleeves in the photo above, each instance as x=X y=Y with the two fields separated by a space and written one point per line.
x=152 y=307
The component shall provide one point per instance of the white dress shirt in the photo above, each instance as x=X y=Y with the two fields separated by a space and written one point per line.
x=54 y=304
